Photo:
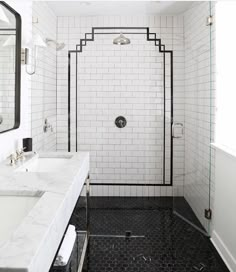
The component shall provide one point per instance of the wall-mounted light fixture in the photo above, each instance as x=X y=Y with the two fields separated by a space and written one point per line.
x=36 y=43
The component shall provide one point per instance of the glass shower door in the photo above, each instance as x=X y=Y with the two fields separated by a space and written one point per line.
x=192 y=176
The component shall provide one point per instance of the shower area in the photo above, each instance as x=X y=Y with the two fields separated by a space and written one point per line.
x=137 y=92
x=139 y=100
x=120 y=105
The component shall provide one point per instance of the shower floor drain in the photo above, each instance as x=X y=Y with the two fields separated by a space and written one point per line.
x=200 y=267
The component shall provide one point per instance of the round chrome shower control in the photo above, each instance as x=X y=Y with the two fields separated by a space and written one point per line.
x=120 y=122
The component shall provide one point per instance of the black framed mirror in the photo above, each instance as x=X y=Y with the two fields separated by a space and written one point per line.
x=10 y=68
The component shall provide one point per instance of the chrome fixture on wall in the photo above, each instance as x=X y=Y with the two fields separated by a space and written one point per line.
x=59 y=46
x=47 y=126
x=36 y=43
x=177 y=130
x=209 y=20
x=121 y=40
x=120 y=122
x=18 y=155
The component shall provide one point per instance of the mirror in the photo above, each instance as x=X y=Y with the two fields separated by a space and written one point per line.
x=10 y=68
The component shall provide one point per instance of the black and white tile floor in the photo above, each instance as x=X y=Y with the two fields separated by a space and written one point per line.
x=160 y=241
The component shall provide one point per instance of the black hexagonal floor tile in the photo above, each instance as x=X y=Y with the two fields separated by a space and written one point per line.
x=160 y=241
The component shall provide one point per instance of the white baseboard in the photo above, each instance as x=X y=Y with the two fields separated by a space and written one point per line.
x=224 y=252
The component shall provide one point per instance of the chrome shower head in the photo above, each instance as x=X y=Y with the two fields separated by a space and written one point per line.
x=121 y=40
x=59 y=46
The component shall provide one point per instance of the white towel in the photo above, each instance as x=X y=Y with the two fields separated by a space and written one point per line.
x=67 y=245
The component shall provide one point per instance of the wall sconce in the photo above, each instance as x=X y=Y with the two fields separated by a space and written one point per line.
x=36 y=43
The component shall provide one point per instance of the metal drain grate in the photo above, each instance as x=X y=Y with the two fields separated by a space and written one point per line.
x=200 y=267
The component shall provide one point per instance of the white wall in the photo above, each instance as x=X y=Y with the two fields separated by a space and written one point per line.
x=44 y=80
x=11 y=140
x=224 y=224
x=226 y=84
x=127 y=81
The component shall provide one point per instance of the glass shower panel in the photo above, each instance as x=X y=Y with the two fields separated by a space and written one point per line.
x=73 y=103
x=168 y=106
x=192 y=187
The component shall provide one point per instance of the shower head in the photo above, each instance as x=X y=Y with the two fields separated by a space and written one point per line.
x=121 y=40
x=59 y=46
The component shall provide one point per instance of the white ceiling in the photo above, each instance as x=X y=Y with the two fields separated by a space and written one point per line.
x=90 y=8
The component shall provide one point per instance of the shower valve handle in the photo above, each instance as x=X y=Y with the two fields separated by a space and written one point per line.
x=120 y=122
x=177 y=126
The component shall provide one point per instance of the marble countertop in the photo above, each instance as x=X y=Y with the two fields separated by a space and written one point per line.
x=32 y=246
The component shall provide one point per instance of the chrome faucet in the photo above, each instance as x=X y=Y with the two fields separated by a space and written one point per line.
x=20 y=154
x=47 y=126
x=12 y=159
x=15 y=157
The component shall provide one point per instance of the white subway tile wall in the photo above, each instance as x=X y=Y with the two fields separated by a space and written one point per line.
x=44 y=90
x=122 y=80
x=198 y=94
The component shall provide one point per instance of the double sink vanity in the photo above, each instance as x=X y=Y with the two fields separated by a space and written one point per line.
x=37 y=198
x=38 y=192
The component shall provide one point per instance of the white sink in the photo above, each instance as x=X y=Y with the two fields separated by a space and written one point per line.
x=44 y=164
x=13 y=209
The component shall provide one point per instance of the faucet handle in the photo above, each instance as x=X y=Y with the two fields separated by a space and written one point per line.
x=12 y=158
x=20 y=154
x=47 y=125
x=21 y=150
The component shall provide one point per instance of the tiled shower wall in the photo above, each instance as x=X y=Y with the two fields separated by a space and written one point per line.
x=198 y=100
x=44 y=80
x=113 y=81
x=123 y=81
